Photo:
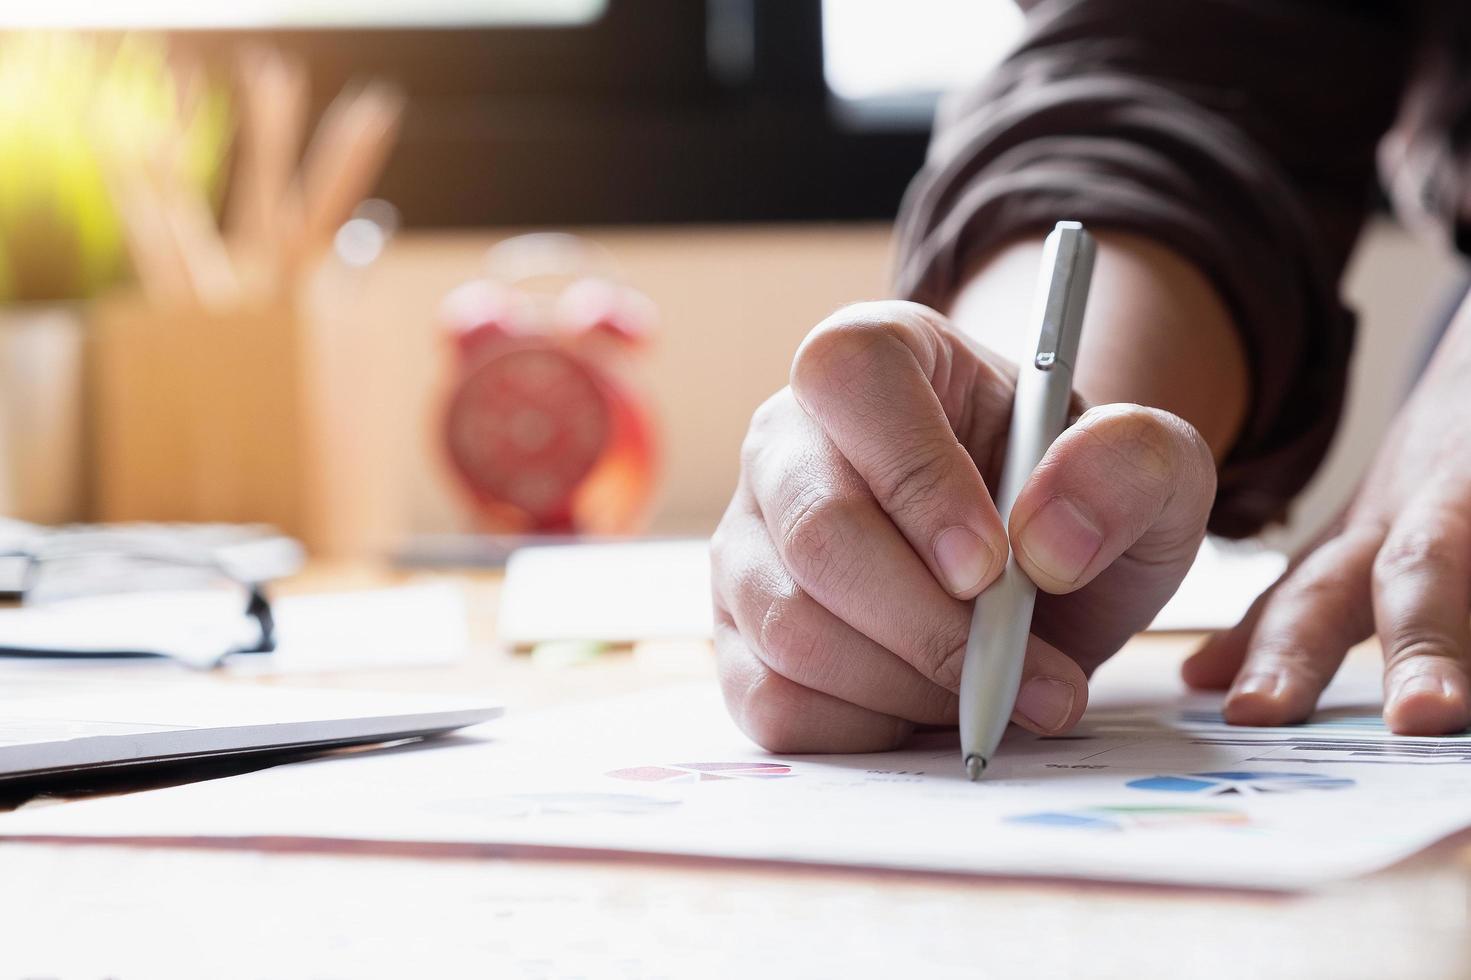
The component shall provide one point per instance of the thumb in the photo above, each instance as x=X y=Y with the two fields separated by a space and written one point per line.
x=1112 y=519
x=1123 y=479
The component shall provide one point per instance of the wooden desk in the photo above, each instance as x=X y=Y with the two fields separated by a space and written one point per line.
x=93 y=910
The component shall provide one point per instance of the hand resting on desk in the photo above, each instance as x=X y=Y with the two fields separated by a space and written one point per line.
x=1396 y=562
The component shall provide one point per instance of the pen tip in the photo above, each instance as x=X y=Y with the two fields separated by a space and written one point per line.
x=974 y=766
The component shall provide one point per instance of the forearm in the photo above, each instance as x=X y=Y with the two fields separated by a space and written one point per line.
x=1156 y=332
x=1137 y=116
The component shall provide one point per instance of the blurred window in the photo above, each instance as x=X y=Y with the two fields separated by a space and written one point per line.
x=882 y=49
x=575 y=112
x=299 y=13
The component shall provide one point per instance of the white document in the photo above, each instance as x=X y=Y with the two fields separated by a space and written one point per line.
x=1149 y=788
x=1220 y=587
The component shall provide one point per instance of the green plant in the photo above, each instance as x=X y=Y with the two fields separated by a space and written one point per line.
x=74 y=113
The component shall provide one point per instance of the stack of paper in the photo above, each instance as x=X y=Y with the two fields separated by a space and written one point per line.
x=1152 y=787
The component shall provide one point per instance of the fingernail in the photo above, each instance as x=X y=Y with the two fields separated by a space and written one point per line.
x=1060 y=540
x=963 y=558
x=1423 y=684
x=1426 y=704
x=1046 y=702
x=1265 y=684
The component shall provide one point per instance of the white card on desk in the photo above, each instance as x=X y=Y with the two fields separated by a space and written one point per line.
x=1152 y=787
x=614 y=593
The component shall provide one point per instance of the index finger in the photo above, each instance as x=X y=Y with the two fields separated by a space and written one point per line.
x=1422 y=594
x=889 y=386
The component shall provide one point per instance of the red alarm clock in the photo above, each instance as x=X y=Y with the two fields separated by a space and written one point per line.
x=544 y=427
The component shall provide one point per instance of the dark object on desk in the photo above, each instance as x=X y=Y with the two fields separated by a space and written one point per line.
x=157 y=774
x=62 y=732
x=195 y=594
x=250 y=553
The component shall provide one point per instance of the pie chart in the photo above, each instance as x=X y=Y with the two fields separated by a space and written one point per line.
x=1134 y=818
x=1241 y=783
x=703 y=772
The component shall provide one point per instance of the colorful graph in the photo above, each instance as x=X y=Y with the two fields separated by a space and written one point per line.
x=702 y=772
x=1401 y=750
x=1363 y=718
x=1116 y=818
x=1241 y=783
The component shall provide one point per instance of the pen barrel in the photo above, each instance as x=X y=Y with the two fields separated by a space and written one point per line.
x=1000 y=625
x=1002 y=619
x=1038 y=416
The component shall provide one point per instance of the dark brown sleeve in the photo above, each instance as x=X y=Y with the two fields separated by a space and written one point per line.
x=1425 y=162
x=1239 y=133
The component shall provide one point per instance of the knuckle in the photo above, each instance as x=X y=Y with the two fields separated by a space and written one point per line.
x=1320 y=576
x=1321 y=581
x=770 y=715
x=843 y=351
x=720 y=537
x=1142 y=445
x=747 y=583
x=914 y=481
x=943 y=655
x=850 y=342
x=886 y=314
x=785 y=634
x=720 y=552
x=752 y=447
x=816 y=531
x=1195 y=455
x=1330 y=585
x=729 y=543
x=1153 y=455
x=1418 y=642
x=1285 y=651
x=773 y=414
x=726 y=573
x=1416 y=551
x=771 y=418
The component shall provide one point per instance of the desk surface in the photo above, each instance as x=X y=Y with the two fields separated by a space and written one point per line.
x=93 y=910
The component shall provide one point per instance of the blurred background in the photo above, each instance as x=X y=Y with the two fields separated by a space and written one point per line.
x=383 y=274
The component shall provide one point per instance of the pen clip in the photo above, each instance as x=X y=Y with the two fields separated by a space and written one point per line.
x=1072 y=266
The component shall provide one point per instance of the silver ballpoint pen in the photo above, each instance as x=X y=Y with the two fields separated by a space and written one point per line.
x=1002 y=619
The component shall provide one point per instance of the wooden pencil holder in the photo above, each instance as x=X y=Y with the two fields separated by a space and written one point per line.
x=257 y=415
